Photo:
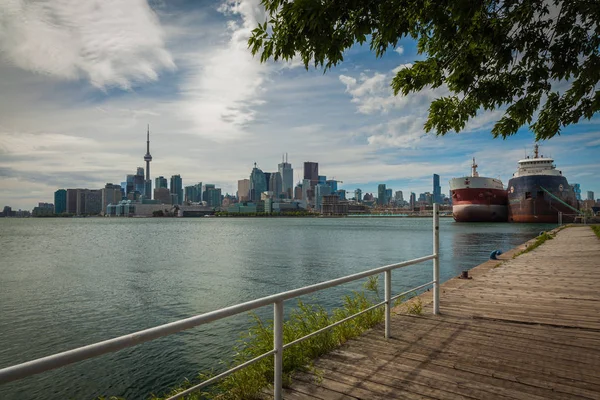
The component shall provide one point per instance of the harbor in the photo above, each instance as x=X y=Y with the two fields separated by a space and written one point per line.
x=522 y=328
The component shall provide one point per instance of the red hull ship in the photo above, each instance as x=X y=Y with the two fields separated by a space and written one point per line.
x=478 y=199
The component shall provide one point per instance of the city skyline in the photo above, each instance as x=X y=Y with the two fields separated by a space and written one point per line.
x=214 y=110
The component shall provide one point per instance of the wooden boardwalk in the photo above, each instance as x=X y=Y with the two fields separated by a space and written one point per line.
x=526 y=329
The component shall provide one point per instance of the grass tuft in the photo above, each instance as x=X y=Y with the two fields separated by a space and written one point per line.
x=596 y=229
x=538 y=242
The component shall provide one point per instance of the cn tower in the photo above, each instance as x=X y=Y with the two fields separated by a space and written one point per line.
x=148 y=157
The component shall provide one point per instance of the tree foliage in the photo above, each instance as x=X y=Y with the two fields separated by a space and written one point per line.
x=537 y=60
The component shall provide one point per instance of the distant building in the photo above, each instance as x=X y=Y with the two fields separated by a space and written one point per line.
x=590 y=195
x=307 y=191
x=358 y=195
x=381 y=189
x=311 y=172
x=258 y=183
x=111 y=194
x=93 y=201
x=177 y=189
x=287 y=178
x=193 y=193
x=320 y=191
x=275 y=184
x=243 y=190
x=298 y=192
x=60 y=201
x=399 y=198
x=333 y=184
x=139 y=181
x=577 y=190
x=72 y=201
x=161 y=182
x=341 y=194
x=388 y=196
x=268 y=180
x=213 y=197
x=322 y=180
x=413 y=200
x=163 y=195
x=437 y=189
x=43 y=210
x=332 y=205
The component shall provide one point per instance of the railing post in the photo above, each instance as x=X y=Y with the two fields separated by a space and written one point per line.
x=559 y=218
x=388 y=303
x=278 y=347
x=436 y=260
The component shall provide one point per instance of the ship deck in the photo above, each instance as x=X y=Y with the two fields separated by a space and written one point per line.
x=523 y=328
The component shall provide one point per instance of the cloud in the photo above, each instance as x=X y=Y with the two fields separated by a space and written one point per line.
x=399 y=50
x=111 y=43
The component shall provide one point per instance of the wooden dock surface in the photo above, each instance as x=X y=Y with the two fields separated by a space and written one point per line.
x=528 y=328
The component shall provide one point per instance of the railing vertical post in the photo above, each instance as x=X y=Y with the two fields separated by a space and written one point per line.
x=436 y=260
x=559 y=218
x=278 y=347
x=388 y=303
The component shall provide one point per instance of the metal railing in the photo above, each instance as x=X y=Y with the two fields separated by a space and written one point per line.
x=58 y=360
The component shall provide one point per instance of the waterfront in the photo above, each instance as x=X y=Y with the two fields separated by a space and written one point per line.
x=69 y=282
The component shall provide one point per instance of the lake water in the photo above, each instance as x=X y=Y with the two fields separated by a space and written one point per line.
x=65 y=283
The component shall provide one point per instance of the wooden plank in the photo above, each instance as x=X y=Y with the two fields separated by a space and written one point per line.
x=526 y=329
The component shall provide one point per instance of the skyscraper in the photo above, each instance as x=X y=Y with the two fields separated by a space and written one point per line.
x=311 y=172
x=267 y=180
x=161 y=182
x=413 y=200
x=577 y=190
x=243 y=190
x=177 y=189
x=381 y=194
x=72 y=201
x=148 y=158
x=320 y=191
x=275 y=184
x=590 y=195
x=111 y=194
x=287 y=178
x=437 y=189
x=257 y=183
x=60 y=201
x=399 y=198
x=358 y=195
x=388 y=196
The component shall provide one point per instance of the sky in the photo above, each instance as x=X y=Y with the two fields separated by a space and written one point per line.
x=80 y=81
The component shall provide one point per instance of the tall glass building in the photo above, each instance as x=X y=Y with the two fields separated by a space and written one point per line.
x=437 y=189
x=257 y=183
x=177 y=188
x=311 y=172
x=287 y=178
x=381 y=189
x=60 y=201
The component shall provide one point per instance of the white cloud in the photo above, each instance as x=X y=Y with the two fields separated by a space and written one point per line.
x=399 y=50
x=108 y=42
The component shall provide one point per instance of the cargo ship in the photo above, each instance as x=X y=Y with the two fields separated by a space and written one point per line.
x=478 y=199
x=538 y=192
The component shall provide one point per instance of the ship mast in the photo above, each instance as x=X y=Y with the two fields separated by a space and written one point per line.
x=474 y=172
x=535 y=149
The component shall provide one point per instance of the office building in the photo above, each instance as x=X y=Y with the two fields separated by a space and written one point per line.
x=322 y=180
x=358 y=195
x=139 y=182
x=307 y=191
x=577 y=190
x=320 y=191
x=60 y=201
x=388 y=196
x=381 y=194
x=275 y=184
x=161 y=182
x=399 y=198
x=72 y=201
x=43 y=210
x=162 y=195
x=176 y=189
x=213 y=197
x=590 y=195
x=93 y=201
x=287 y=178
x=413 y=200
x=243 y=191
x=333 y=205
x=193 y=193
x=111 y=194
x=437 y=189
x=267 y=180
x=341 y=194
x=311 y=172
x=257 y=183
x=333 y=184
x=298 y=192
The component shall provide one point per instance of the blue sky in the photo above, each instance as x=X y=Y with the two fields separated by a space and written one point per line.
x=80 y=81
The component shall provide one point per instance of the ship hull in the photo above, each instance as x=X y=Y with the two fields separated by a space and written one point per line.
x=540 y=198
x=479 y=205
x=480 y=213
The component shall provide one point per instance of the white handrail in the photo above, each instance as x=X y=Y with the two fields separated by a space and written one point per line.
x=58 y=360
